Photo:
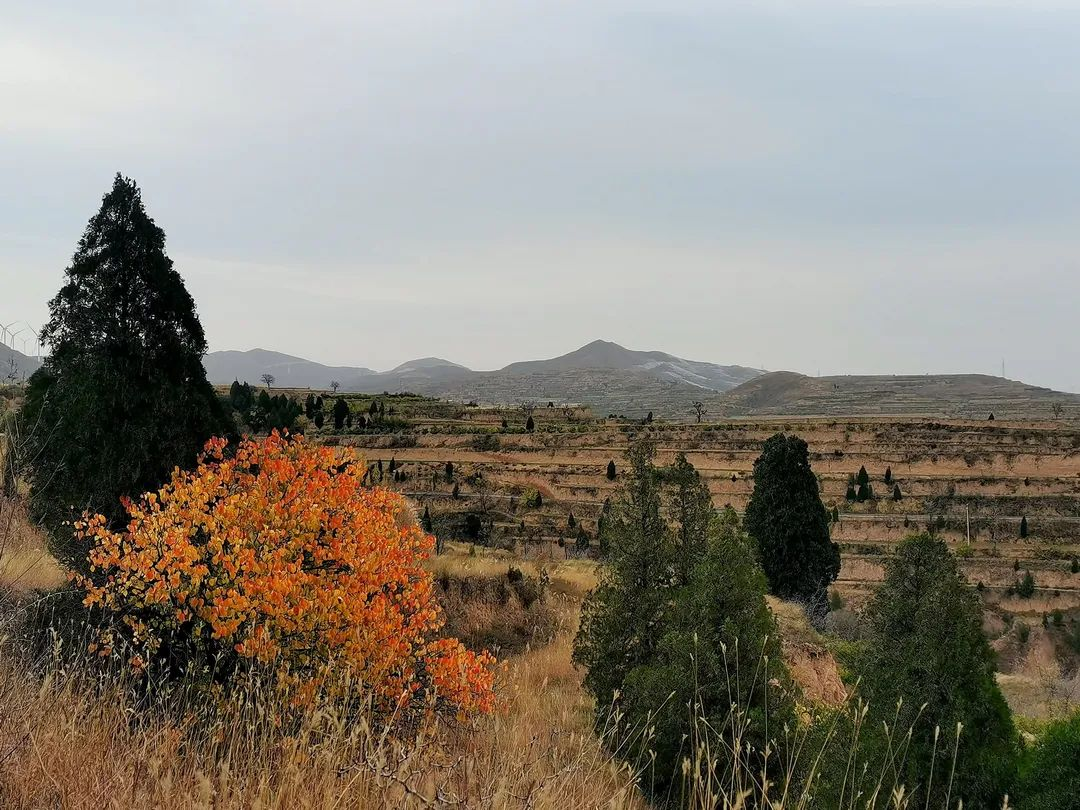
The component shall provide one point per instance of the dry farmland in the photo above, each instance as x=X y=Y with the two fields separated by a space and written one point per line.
x=971 y=481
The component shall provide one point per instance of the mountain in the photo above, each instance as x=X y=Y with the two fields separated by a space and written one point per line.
x=603 y=375
x=289 y=372
x=973 y=396
x=16 y=366
x=602 y=354
x=610 y=378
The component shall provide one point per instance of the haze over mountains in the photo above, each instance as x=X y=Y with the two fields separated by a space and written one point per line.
x=613 y=379
x=16 y=366
x=601 y=374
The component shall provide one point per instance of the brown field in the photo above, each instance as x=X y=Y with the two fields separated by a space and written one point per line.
x=972 y=481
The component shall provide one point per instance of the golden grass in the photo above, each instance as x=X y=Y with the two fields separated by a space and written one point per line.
x=65 y=744
x=25 y=564
x=573 y=578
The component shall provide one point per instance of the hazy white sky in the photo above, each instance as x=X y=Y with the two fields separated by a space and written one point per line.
x=821 y=185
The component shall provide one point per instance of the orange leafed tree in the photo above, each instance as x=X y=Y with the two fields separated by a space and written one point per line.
x=276 y=555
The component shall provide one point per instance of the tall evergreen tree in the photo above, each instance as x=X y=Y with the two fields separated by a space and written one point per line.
x=123 y=396
x=863 y=478
x=530 y=425
x=644 y=630
x=1023 y=526
x=888 y=475
x=787 y=518
x=341 y=411
x=611 y=470
x=928 y=653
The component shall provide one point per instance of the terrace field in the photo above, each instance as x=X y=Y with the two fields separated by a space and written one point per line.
x=972 y=482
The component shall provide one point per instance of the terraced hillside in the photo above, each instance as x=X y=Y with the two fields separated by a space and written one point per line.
x=971 y=481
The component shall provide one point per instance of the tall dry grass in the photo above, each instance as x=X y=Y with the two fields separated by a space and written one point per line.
x=69 y=739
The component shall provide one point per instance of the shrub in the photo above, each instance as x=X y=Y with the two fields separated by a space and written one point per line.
x=1050 y=771
x=485 y=442
x=844 y=624
x=277 y=558
x=1026 y=587
x=532 y=499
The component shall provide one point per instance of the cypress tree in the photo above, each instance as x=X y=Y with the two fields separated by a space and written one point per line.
x=530 y=425
x=449 y=472
x=643 y=629
x=456 y=492
x=425 y=522
x=897 y=495
x=1023 y=526
x=786 y=517
x=863 y=478
x=888 y=475
x=122 y=398
x=611 y=470
x=927 y=648
x=341 y=411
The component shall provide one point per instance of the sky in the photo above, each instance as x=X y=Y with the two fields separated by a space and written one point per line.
x=824 y=186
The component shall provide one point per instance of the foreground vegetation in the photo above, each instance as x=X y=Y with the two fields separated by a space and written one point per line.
x=261 y=625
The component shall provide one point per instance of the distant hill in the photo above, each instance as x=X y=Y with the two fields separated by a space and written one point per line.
x=610 y=378
x=604 y=375
x=16 y=363
x=785 y=393
x=288 y=371
x=602 y=354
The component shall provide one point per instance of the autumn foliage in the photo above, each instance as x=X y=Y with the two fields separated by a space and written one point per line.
x=275 y=556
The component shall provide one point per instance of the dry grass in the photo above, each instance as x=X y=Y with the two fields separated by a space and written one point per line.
x=65 y=743
x=573 y=578
x=25 y=565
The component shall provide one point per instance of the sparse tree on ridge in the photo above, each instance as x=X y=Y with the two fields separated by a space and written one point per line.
x=699 y=409
x=334 y=386
x=268 y=380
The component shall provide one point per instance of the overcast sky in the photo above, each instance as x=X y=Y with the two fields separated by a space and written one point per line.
x=819 y=185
